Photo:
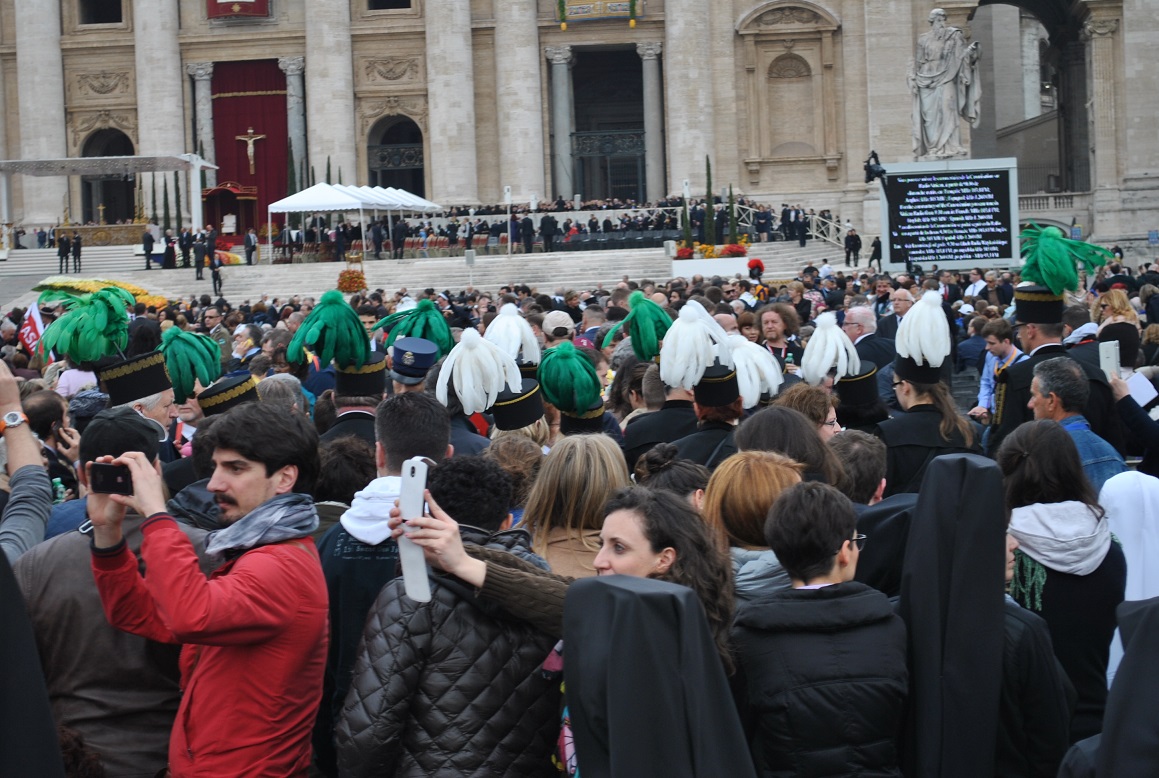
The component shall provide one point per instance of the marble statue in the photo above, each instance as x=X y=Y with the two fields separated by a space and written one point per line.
x=944 y=81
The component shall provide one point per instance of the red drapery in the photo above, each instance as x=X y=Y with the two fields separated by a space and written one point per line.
x=251 y=95
x=226 y=8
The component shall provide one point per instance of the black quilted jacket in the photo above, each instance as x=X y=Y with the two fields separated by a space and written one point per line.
x=451 y=687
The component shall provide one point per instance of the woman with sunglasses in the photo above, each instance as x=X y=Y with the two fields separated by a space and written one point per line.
x=828 y=650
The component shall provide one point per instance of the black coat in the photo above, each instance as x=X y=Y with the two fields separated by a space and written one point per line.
x=1012 y=394
x=710 y=445
x=1080 y=612
x=464 y=437
x=877 y=349
x=1034 y=710
x=912 y=440
x=887 y=326
x=675 y=420
x=449 y=687
x=357 y=423
x=822 y=681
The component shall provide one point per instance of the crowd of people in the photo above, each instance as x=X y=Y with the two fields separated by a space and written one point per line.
x=749 y=511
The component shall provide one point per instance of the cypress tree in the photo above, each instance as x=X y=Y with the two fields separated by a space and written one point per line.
x=177 y=196
x=328 y=169
x=165 y=217
x=709 y=206
x=153 y=180
x=731 y=216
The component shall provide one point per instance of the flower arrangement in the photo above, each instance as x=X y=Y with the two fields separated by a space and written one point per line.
x=707 y=250
x=684 y=253
x=734 y=250
x=82 y=286
x=351 y=281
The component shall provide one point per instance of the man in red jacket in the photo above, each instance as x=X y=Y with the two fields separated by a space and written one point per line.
x=254 y=632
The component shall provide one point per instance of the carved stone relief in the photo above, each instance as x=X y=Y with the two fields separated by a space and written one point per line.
x=788 y=16
x=103 y=83
x=413 y=107
x=84 y=123
x=393 y=69
x=789 y=66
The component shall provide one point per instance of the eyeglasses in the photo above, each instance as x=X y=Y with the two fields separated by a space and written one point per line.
x=858 y=540
x=896 y=384
x=831 y=423
x=1104 y=305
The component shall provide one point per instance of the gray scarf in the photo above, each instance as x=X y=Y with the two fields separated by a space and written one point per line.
x=285 y=517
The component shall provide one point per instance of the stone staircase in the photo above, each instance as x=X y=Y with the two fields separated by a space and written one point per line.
x=546 y=272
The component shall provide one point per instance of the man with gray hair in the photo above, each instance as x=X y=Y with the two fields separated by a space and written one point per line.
x=1059 y=392
x=141 y=383
x=902 y=300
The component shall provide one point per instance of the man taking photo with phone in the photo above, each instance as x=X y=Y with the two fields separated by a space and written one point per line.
x=254 y=632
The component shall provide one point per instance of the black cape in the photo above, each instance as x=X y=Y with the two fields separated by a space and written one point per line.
x=645 y=686
x=887 y=525
x=952 y=601
x=28 y=740
x=1129 y=744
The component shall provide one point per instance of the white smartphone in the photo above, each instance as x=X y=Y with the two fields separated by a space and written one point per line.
x=411 y=503
x=1109 y=358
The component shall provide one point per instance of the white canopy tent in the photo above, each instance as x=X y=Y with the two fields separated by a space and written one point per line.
x=340 y=198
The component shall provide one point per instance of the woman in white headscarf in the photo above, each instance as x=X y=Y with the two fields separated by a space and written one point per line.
x=1131 y=501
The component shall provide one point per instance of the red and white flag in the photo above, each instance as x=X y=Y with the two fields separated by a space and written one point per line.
x=31 y=330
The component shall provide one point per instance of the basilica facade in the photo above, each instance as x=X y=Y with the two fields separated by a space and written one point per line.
x=457 y=100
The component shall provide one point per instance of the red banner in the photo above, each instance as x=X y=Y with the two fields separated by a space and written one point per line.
x=219 y=9
x=31 y=330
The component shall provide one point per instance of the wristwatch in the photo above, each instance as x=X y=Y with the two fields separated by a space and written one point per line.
x=12 y=419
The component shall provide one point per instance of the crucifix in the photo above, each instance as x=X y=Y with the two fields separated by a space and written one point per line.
x=101 y=208
x=250 y=139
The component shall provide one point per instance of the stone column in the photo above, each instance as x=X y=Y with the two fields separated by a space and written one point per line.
x=40 y=97
x=202 y=73
x=160 y=81
x=562 y=164
x=688 y=87
x=1101 y=35
x=294 y=67
x=453 y=174
x=330 y=90
x=1031 y=67
x=653 y=121
x=520 y=99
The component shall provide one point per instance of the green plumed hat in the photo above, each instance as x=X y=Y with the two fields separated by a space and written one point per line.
x=647 y=325
x=424 y=320
x=190 y=357
x=568 y=379
x=1050 y=258
x=93 y=325
x=334 y=332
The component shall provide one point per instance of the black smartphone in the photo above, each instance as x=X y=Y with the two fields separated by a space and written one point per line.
x=110 y=479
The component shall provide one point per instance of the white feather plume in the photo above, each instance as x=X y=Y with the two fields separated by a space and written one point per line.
x=691 y=346
x=511 y=332
x=481 y=371
x=757 y=370
x=924 y=333
x=829 y=347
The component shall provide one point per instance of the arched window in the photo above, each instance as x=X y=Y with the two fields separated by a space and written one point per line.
x=790 y=86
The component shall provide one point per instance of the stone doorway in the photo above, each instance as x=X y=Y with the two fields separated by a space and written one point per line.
x=608 y=143
x=116 y=193
x=395 y=155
